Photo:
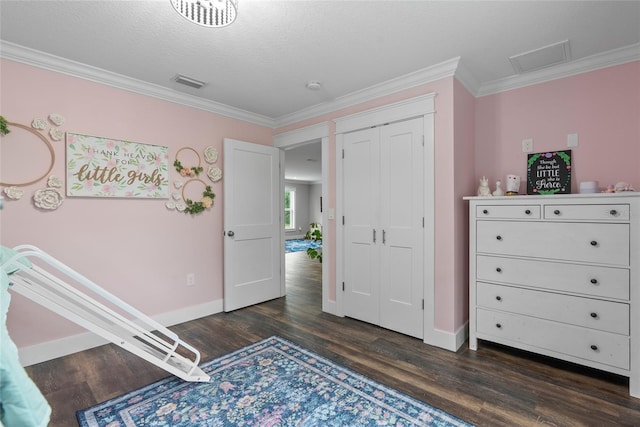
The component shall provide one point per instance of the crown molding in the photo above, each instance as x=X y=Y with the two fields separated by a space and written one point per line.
x=57 y=64
x=610 y=58
x=407 y=81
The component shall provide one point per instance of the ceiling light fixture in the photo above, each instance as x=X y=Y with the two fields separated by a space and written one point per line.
x=213 y=13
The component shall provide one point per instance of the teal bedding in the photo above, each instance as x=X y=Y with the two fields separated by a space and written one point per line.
x=21 y=403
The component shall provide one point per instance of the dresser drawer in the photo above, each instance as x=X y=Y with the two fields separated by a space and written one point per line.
x=583 y=343
x=508 y=212
x=596 y=243
x=605 y=282
x=587 y=312
x=587 y=212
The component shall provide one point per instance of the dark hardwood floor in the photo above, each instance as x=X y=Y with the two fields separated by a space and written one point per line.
x=495 y=386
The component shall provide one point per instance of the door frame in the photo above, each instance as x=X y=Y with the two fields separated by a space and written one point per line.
x=421 y=106
x=295 y=138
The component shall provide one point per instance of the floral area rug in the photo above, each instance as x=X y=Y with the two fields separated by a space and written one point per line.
x=271 y=383
x=297 y=245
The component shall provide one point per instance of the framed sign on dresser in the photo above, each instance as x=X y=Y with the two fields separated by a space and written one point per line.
x=559 y=276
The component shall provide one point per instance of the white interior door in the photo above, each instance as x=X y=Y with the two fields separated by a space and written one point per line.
x=253 y=254
x=361 y=194
x=401 y=220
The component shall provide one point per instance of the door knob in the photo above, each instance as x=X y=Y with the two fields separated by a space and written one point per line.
x=230 y=233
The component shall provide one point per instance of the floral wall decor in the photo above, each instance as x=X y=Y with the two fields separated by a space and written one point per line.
x=31 y=131
x=189 y=171
x=104 y=167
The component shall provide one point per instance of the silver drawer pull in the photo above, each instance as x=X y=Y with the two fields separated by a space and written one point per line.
x=498 y=325
x=594 y=315
x=614 y=212
x=594 y=347
x=557 y=212
x=499 y=270
x=485 y=211
x=528 y=211
x=594 y=281
x=499 y=298
x=594 y=243
x=499 y=237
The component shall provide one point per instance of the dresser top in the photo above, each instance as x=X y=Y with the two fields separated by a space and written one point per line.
x=550 y=198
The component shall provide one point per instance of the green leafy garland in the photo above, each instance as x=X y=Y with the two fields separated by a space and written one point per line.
x=192 y=171
x=3 y=126
x=204 y=203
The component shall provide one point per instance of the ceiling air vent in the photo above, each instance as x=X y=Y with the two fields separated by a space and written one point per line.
x=188 y=81
x=543 y=57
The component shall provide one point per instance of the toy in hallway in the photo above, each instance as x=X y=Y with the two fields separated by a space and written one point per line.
x=499 y=191
x=483 y=189
x=513 y=185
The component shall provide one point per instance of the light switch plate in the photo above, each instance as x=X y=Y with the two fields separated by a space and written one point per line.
x=572 y=140
x=527 y=145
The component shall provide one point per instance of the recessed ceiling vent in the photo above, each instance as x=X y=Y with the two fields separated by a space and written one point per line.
x=188 y=81
x=543 y=57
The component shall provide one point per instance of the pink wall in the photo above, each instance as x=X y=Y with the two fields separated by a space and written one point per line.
x=602 y=106
x=135 y=248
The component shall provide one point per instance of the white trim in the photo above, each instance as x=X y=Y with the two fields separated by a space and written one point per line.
x=58 y=64
x=607 y=59
x=395 y=85
x=339 y=225
x=403 y=110
x=71 y=344
x=305 y=134
x=451 y=341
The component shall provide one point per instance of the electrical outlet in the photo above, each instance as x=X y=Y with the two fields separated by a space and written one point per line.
x=191 y=279
x=527 y=145
x=572 y=140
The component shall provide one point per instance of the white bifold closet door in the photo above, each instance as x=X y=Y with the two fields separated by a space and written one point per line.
x=383 y=194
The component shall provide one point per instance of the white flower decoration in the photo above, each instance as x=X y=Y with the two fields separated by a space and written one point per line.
x=170 y=205
x=180 y=206
x=13 y=192
x=54 y=182
x=214 y=173
x=56 y=134
x=39 y=123
x=47 y=198
x=56 y=119
x=177 y=184
x=210 y=154
x=176 y=196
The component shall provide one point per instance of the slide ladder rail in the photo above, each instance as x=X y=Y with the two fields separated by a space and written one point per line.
x=136 y=333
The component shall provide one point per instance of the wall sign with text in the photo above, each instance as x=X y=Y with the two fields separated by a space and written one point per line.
x=549 y=173
x=104 y=167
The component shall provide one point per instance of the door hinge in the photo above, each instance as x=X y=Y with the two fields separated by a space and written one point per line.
x=422 y=222
x=423 y=140
x=342 y=219
x=342 y=286
x=423 y=304
x=343 y=153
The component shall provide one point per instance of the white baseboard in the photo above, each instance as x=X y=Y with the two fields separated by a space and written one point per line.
x=57 y=348
x=448 y=340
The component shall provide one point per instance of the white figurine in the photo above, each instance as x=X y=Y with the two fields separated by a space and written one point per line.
x=513 y=185
x=484 y=189
x=498 y=191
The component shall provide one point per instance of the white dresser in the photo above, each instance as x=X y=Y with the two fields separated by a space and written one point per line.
x=559 y=276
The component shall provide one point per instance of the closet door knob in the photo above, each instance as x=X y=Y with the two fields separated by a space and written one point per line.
x=485 y=212
x=499 y=270
x=499 y=237
x=594 y=243
x=528 y=212
x=594 y=315
x=613 y=212
x=594 y=347
x=499 y=298
x=557 y=212
x=594 y=281
x=230 y=233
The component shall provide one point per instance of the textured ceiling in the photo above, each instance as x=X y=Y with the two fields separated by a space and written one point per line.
x=260 y=64
x=262 y=61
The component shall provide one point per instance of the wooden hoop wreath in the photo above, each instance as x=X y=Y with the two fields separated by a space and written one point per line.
x=179 y=167
x=197 y=207
x=49 y=146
